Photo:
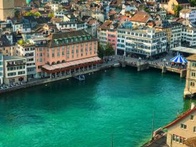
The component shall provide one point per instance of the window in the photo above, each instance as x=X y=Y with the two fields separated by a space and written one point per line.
x=193 y=74
x=177 y=138
x=192 y=84
x=194 y=129
x=183 y=126
x=191 y=117
x=21 y=72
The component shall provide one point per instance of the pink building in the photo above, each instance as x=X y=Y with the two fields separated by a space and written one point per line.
x=66 y=53
x=107 y=33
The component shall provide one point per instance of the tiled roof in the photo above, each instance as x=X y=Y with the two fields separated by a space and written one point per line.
x=141 y=16
x=181 y=117
x=185 y=11
x=64 y=38
x=192 y=58
x=106 y=25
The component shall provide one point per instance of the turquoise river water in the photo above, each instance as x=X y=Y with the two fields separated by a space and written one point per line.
x=113 y=106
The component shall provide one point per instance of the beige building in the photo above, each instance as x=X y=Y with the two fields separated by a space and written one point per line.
x=182 y=129
x=15 y=70
x=190 y=88
x=6 y=9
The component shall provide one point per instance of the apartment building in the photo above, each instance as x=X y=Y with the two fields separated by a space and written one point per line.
x=190 y=88
x=15 y=69
x=27 y=50
x=1 y=68
x=188 y=14
x=107 y=33
x=147 y=42
x=182 y=129
x=189 y=36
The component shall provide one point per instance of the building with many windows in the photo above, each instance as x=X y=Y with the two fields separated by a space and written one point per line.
x=146 y=42
x=27 y=51
x=189 y=36
x=182 y=129
x=1 y=68
x=15 y=70
x=190 y=88
x=189 y=14
x=66 y=53
x=107 y=33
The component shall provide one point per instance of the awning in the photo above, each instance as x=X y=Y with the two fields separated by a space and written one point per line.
x=72 y=63
x=178 y=59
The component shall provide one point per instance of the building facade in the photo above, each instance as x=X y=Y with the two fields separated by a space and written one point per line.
x=188 y=14
x=189 y=36
x=66 y=53
x=6 y=9
x=147 y=42
x=181 y=129
x=190 y=88
x=15 y=70
x=28 y=51
x=1 y=68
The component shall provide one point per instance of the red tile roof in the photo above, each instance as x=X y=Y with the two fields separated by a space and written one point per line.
x=141 y=16
x=181 y=117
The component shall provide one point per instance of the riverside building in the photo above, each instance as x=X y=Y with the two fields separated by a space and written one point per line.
x=1 y=68
x=15 y=70
x=27 y=50
x=190 y=88
x=66 y=53
x=147 y=42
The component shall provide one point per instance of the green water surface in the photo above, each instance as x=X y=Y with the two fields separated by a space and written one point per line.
x=113 y=106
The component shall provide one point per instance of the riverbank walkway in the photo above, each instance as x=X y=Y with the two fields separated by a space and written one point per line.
x=108 y=62
x=163 y=64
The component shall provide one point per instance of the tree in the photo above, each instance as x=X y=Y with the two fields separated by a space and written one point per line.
x=109 y=50
x=192 y=3
x=37 y=14
x=51 y=14
x=100 y=51
x=177 y=9
x=17 y=14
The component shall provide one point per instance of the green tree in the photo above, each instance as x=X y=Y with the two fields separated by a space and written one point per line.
x=51 y=14
x=21 y=41
x=109 y=50
x=17 y=14
x=192 y=3
x=100 y=51
x=37 y=14
x=177 y=9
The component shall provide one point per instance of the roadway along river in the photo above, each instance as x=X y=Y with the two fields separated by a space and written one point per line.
x=114 y=106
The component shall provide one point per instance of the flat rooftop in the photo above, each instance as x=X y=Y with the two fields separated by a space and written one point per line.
x=184 y=49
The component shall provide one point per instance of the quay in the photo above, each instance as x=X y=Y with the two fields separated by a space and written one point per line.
x=45 y=80
x=145 y=64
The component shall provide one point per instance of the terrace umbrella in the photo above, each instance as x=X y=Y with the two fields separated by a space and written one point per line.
x=178 y=59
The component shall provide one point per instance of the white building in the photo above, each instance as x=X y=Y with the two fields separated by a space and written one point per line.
x=1 y=68
x=176 y=34
x=189 y=14
x=28 y=51
x=189 y=36
x=77 y=25
x=147 y=42
x=15 y=70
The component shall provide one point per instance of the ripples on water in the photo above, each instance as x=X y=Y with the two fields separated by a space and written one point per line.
x=116 y=104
